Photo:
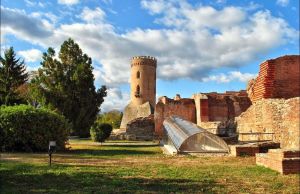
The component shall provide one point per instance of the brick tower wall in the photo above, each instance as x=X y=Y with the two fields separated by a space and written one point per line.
x=143 y=89
x=143 y=74
x=277 y=78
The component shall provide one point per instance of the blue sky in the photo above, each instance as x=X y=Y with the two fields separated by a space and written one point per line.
x=200 y=45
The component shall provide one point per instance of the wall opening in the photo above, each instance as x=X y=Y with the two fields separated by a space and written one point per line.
x=137 y=92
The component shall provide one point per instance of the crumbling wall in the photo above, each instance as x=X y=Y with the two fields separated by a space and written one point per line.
x=216 y=111
x=221 y=128
x=291 y=124
x=212 y=107
x=278 y=116
x=277 y=78
x=224 y=107
x=141 y=128
x=133 y=111
x=185 y=108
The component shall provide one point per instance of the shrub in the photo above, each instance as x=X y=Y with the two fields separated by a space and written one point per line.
x=100 y=132
x=25 y=128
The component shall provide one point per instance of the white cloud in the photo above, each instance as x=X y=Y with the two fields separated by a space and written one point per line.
x=31 y=55
x=17 y=22
x=252 y=6
x=283 y=3
x=193 y=40
x=231 y=76
x=32 y=3
x=155 y=7
x=68 y=2
x=29 y=3
x=200 y=39
x=115 y=100
x=93 y=16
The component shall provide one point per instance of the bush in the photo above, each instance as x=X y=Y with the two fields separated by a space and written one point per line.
x=25 y=128
x=100 y=132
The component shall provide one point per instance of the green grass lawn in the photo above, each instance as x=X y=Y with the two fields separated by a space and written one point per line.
x=131 y=167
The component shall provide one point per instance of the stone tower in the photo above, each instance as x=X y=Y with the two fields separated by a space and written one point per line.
x=143 y=80
x=143 y=89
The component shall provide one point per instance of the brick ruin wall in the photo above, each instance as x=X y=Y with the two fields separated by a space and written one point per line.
x=216 y=111
x=185 y=108
x=277 y=78
x=224 y=107
x=204 y=109
x=141 y=128
x=278 y=116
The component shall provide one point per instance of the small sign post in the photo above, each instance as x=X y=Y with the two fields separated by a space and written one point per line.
x=52 y=146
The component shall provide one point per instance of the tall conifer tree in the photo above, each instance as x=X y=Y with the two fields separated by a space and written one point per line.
x=12 y=75
x=67 y=85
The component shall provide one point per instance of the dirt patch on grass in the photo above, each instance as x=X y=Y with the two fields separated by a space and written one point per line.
x=73 y=159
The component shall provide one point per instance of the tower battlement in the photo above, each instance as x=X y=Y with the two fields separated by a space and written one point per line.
x=144 y=57
x=143 y=60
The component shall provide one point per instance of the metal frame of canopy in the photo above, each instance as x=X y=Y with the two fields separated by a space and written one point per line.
x=187 y=137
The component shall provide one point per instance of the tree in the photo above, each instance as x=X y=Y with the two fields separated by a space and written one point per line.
x=113 y=117
x=67 y=85
x=12 y=75
x=100 y=132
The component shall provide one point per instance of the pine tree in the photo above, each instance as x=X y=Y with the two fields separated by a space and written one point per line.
x=67 y=85
x=12 y=75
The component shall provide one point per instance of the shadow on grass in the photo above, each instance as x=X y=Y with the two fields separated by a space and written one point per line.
x=111 y=152
x=41 y=179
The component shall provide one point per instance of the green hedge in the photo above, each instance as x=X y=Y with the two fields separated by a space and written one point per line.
x=25 y=128
x=100 y=132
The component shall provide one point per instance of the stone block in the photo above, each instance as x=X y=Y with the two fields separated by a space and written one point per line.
x=283 y=161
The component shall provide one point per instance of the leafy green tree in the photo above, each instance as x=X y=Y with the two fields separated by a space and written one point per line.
x=12 y=75
x=112 y=117
x=100 y=132
x=67 y=85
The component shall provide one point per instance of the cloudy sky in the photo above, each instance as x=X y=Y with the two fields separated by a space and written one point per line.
x=200 y=45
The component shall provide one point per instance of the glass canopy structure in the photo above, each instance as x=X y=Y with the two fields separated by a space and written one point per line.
x=181 y=136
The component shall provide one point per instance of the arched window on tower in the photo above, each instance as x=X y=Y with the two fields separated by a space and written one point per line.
x=137 y=92
x=138 y=75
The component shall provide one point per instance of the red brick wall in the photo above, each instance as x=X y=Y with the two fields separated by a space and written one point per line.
x=166 y=107
x=277 y=78
x=283 y=161
x=223 y=107
x=211 y=107
x=204 y=109
x=278 y=116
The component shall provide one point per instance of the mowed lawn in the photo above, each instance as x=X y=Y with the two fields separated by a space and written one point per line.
x=130 y=167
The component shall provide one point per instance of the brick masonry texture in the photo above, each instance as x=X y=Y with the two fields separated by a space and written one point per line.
x=141 y=128
x=166 y=107
x=278 y=116
x=212 y=111
x=277 y=78
x=283 y=161
x=220 y=106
